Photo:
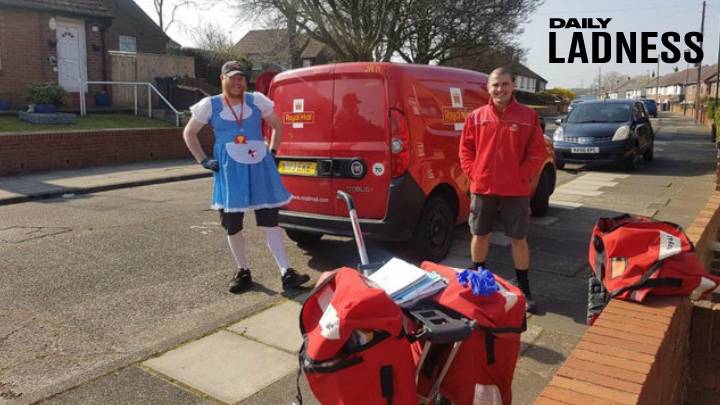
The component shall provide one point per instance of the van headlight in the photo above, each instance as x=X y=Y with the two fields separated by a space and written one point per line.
x=621 y=133
x=558 y=135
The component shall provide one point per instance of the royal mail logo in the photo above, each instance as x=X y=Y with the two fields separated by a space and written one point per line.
x=455 y=115
x=305 y=117
x=298 y=105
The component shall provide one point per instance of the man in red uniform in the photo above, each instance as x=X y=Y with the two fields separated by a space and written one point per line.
x=501 y=149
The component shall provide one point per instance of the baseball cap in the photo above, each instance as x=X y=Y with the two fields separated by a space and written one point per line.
x=232 y=68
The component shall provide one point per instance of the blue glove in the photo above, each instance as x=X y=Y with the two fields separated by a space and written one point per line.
x=211 y=164
x=482 y=282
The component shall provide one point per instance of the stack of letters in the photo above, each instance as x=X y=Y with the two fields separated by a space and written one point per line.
x=405 y=283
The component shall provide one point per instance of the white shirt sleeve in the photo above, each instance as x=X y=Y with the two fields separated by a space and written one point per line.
x=264 y=104
x=202 y=110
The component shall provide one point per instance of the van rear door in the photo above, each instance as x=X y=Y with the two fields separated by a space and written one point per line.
x=303 y=100
x=361 y=141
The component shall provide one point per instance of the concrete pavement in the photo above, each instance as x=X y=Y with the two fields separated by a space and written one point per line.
x=17 y=189
x=252 y=361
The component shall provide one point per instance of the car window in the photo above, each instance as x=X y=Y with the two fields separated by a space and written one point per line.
x=599 y=112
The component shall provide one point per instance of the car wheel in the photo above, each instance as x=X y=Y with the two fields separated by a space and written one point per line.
x=433 y=235
x=650 y=152
x=540 y=201
x=560 y=165
x=302 y=237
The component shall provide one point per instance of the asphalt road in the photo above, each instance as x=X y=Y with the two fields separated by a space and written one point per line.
x=97 y=282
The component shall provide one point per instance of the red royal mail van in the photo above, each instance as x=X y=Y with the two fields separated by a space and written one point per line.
x=388 y=134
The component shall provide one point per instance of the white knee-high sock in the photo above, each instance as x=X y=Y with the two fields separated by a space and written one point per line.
x=276 y=243
x=237 y=247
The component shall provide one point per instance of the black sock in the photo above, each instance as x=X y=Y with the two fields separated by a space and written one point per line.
x=477 y=265
x=523 y=282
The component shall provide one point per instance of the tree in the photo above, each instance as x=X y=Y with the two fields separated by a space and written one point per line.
x=609 y=81
x=354 y=29
x=167 y=18
x=209 y=36
x=442 y=30
x=278 y=14
x=565 y=94
x=419 y=31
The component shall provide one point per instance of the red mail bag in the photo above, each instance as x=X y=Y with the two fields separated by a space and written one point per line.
x=354 y=349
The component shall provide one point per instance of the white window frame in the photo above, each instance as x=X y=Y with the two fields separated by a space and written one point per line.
x=127 y=37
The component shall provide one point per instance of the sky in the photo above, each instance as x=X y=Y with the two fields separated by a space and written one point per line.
x=648 y=15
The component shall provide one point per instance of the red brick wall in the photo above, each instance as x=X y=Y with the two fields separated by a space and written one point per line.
x=703 y=233
x=25 y=153
x=27 y=43
x=704 y=386
x=25 y=52
x=633 y=354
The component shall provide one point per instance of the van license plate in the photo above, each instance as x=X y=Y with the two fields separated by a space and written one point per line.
x=586 y=149
x=298 y=168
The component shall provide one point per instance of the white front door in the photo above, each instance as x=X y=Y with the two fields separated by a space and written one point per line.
x=71 y=63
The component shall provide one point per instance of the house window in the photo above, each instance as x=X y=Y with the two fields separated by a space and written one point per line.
x=307 y=62
x=127 y=43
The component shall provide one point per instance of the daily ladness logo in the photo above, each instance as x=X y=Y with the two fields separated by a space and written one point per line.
x=593 y=41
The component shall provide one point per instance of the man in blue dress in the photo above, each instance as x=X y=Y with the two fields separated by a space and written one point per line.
x=245 y=177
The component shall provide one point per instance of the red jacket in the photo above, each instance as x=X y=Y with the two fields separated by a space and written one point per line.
x=501 y=152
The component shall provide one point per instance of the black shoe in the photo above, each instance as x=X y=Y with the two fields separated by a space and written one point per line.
x=293 y=279
x=241 y=281
x=530 y=305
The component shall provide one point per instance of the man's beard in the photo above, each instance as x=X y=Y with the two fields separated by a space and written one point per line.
x=233 y=93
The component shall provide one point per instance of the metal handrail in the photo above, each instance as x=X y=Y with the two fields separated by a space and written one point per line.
x=83 y=107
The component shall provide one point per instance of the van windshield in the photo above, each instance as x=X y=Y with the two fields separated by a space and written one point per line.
x=599 y=112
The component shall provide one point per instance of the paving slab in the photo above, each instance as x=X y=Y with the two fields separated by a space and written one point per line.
x=566 y=205
x=559 y=196
x=528 y=337
x=283 y=392
x=130 y=385
x=225 y=366
x=606 y=176
x=276 y=326
x=595 y=182
x=578 y=191
x=579 y=184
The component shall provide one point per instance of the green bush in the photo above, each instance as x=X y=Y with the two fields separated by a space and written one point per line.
x=712 y=108
x=47 y=93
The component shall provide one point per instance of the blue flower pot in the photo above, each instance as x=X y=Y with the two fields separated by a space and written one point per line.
x=45 y=108
x=5 y=105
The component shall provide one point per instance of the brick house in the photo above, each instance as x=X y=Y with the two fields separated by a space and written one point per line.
x=526 y=80
x=65 y=41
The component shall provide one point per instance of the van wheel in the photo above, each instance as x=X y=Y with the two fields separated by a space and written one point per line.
x=302 y=237
x=433 y=234
x=540 y=201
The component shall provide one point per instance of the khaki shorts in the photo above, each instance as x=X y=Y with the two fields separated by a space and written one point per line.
x=514 y=212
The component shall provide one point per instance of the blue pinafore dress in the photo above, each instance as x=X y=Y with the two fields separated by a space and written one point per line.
x=248 y=178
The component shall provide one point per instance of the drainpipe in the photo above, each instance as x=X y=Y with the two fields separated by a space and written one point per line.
x=104 y=56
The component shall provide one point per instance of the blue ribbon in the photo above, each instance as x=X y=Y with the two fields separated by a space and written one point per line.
x=482 y=282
